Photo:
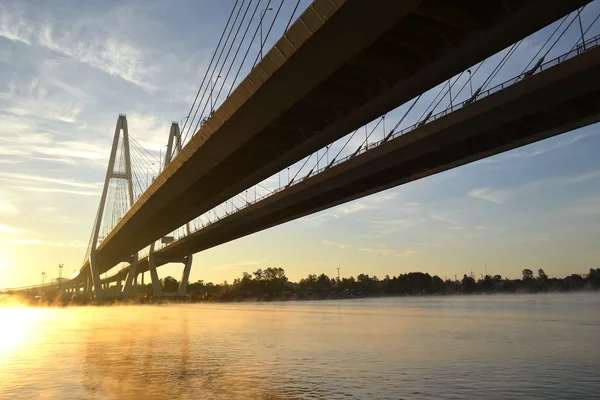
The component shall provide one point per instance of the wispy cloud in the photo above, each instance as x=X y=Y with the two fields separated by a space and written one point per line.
x=11 y=230
x=34 y=241
x=14 y=27
x=17 y=177
x=58 y=190
x=336 y=244
x=380 y=249
x=386 y=252
x=105 y=51
x=501 y=196
x=494 y=196
x=245 y=263
x=450 y=223
x=537 y=150
x=319 y=219
x=7 y=208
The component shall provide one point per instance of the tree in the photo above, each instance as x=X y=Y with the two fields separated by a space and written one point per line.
x=542 y=275
x=469 y=284
x=527 y=274
x=169 y=284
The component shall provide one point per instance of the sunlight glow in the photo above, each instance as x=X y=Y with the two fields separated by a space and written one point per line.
x=17 y=326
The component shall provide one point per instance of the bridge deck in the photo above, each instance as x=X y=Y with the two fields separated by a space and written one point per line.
x=559 y=99
x=342 y=64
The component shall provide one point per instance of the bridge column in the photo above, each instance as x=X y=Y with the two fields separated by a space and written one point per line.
x=185 y=276
x=156 y=288
x=129 y=280
x=173 y=147
x=120 y=129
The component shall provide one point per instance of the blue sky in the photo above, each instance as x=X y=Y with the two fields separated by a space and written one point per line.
x=68 y=68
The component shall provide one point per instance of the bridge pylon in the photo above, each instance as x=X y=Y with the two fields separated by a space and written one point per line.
x=173 y=147
x=124 y=172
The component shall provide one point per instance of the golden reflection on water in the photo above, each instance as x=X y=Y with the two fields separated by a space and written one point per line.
x=366 y=349
x=151 y=360
x=17 y=327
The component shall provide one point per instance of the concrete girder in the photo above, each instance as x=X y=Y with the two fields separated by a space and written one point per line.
x=334 y=44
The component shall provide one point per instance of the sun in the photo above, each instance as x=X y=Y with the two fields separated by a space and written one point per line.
x=18 y=324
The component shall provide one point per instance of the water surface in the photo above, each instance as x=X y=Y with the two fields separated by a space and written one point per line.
x=492 y=347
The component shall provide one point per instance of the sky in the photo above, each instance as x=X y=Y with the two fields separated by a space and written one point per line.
x=68 y=68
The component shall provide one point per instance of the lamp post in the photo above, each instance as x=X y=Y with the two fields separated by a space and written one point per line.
x=212 y=106
x=160 y=160
x=262 y=16
x=470 y=81
x=181 y=128
x=148 y=180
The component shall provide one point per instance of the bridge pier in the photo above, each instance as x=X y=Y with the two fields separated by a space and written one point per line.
x=130 y=276
x=173 y=147
x=120 y=130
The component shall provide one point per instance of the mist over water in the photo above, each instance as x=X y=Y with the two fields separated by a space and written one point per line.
x=493 y=347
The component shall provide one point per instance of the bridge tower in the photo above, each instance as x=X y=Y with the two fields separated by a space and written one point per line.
x=124 y=172
x=173 y=147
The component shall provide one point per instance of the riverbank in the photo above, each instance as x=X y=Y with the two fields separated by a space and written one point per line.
x=68 y=301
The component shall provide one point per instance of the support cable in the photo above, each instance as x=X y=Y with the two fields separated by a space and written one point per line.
x=210 y=63
x=237 y=51
x=545 y=43
x=291 y=17
x=269 y=31
x=245 y=56
x=501 y=64
x=206 y=88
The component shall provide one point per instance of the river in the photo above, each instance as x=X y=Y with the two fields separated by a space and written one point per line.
x=488 y=347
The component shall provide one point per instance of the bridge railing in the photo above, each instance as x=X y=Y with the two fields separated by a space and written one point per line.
x=588 y=44
x=579 y=49
x=54 y=284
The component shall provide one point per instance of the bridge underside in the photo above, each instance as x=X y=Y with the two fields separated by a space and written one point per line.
x=321 y=81
x=554 y=101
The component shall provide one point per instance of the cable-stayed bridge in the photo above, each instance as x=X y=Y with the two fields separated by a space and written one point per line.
x=340 y=67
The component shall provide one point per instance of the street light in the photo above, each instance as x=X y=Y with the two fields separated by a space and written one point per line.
x=160 y=160
x=470 y=81
x=212 y=106
x=262 y=16
x=148 y=181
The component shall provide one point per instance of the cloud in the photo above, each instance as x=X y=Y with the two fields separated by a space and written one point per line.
x=14 y=27
x=537 y=150
x=101 y=49
x=389 y=226
x=353 y=207
x=575 y=179
x=319 y=219
x=7 y=208
x=11 y=230
x=372 y=202
x=449 y=222
x=386 y=252
x=336 y=244
x=381 y=249
x=247 y=263
x=57 y=190
x=18 y=177
x=494 y=196
x=113 y=55
x=584 y=207
x=34 y=241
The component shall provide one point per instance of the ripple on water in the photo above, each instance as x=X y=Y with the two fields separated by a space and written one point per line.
x=372 y=349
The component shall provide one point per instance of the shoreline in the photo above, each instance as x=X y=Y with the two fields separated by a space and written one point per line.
x=19 y=300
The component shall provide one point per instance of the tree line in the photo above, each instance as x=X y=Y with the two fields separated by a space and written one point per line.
x=273 y=284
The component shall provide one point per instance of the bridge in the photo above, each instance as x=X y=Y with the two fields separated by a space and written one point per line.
x=323 y=79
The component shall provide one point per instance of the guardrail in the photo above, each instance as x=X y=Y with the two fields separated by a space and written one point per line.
x=40 y=286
